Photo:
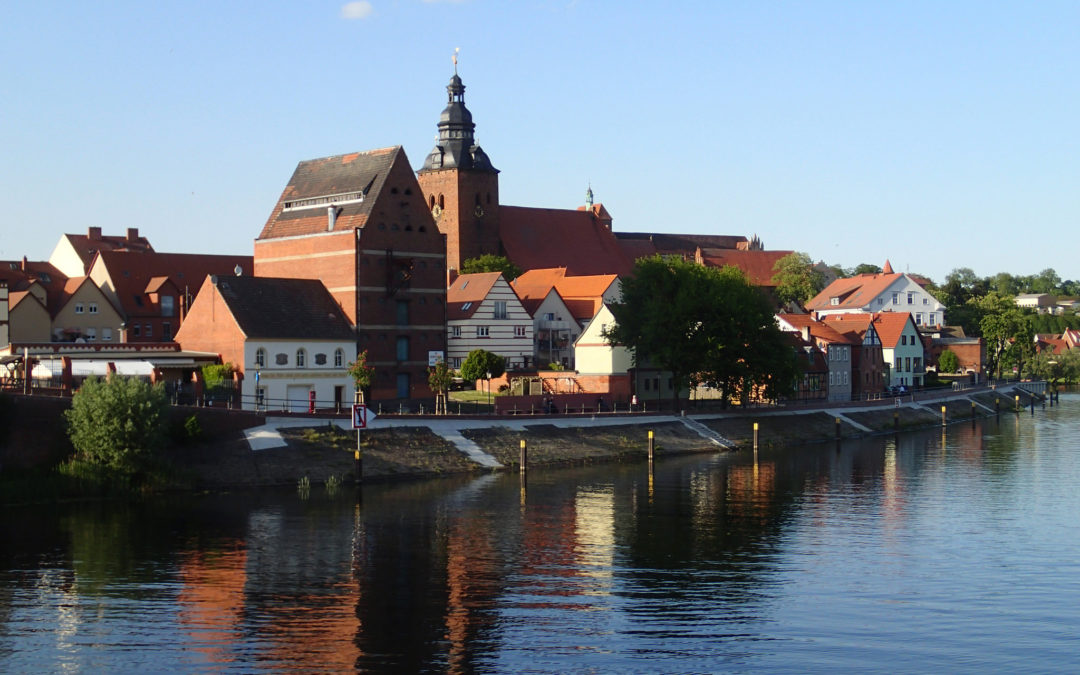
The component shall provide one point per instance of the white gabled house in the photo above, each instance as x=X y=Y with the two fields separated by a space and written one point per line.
x=484 y=312
x=593 y=355
x=885 y=292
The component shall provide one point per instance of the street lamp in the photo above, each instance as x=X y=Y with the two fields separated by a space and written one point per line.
x=489 y=386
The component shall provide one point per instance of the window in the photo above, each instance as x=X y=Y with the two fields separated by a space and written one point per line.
x=78 y=308
x=167 y=305
x=260 y=357
x=455 y=331
x=301 y=358
x=903 y=339
x=455 y=362
x=550 y=316
x=260 y=397
x=106 y=334
x=834 y=301
x=403 y=348
x=926 y=301
x=832 y=378
x=896 y=298
x=907 y=364
x=846 y=377
x=339 y=358
x=482 y=331
x=931 y=321
x=880 y=301
x=166 y=331
x=91 y=334
x=403 y=312
x=898 y=362
x=135 y=330
x=92 y=308
x=917 y=363
x=500 y=306
x=910 y=298
x=918 y=318
x=148 y=330
x=519 y=331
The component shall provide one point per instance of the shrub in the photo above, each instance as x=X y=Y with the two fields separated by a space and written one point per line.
x=118 y=422
x=480 y=362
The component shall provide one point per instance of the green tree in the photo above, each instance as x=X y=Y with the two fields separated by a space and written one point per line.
x=118 y=422
x=866 y=268
x=439 y=379
x=479 y=363
x=215 y=376
x=491 y=263
x=361 y=373
x=701 y=324
x=1001 y=330
x=948 y=362
x=796 y=278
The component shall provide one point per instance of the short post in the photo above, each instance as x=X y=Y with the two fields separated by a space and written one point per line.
x=973 y=414
x=755 y=440
x=652 y=445
x=358 y=462
x=524 y=457
x=837 y=428
x=943 y=409
x=1032 y=404
x=1017 y=407
x=997 y=406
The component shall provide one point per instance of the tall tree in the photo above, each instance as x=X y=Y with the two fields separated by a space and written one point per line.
x=491 y=263
x=867 y=268
x=796 y=278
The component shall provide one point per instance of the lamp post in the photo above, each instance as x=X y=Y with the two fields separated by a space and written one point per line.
x=489 y=386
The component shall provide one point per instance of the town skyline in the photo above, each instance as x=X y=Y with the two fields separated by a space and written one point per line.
x=936 y=129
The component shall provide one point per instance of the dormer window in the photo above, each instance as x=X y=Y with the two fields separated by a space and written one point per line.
x=834 y=301
x=337 y=199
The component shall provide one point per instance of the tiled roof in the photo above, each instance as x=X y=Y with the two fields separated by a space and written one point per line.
x=19 y=276
x=818 y=329
x=644 y=244
x=853 y=292
x=469 y=289
x=853 y=325
x=87 y=245
x=583 y=309
x=889 y=326
x=535 y=238
x=131 y=274
x=756 y=265
x=283 y=309
x=340 y=175
x=15 y=297
x=582 y=295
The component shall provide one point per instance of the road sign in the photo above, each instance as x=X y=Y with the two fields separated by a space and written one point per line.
x=359 y=416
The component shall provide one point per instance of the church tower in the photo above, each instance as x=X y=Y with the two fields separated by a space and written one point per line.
x=460 y=185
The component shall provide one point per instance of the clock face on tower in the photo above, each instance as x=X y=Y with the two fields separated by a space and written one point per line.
x=479 y=211
x=436 y=210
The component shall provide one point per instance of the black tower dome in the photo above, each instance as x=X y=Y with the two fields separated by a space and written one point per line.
x=456 y=147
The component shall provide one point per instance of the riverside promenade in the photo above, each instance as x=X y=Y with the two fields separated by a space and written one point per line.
x=720 y=431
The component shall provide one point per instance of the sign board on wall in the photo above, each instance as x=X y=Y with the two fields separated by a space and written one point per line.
x=434 y=358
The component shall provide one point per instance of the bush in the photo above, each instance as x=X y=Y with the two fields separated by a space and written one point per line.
x=479 y=363
x=117 y=423
x=948 y=362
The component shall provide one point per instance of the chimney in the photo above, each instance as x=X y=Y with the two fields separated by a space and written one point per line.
x=132 y=233
x=806 y=333
x=451 y=276
x=94 y=233
x=24 y=262
x=331 y=217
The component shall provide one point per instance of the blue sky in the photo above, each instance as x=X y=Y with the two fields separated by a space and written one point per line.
x=937 y=135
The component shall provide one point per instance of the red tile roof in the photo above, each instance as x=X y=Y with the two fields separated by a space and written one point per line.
x=756 y=265
x=818 y=329
x=21 y=274
x=644 y=244
x=341 y=176
x=87 y=245
x=469 y=289
x=853 y=292
x=853 y=325
x=582 y=295
x=536 y=238
x=281 y=309
x=889 y=326
x=131 y=273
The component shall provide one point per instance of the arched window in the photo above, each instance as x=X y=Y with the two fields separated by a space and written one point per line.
x=442 y=202
x=260 y=357
x=339 y=358
x=301 y=358
x=431 y=202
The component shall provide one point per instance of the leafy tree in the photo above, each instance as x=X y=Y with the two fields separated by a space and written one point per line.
x=796 y=278
x=479 y=363
x=1046 y=281
x=117 y=422
x=1056 y=368
x=491 y=263
x=701 y=324
x=948 y=362
x=361 y=373
x=866 y=268
x=215 y=375
x=1000 y=330
x=439 y=379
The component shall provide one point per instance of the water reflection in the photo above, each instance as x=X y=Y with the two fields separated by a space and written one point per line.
x=702 y=562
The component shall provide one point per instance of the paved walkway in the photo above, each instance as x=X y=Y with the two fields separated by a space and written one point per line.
x=449 y=427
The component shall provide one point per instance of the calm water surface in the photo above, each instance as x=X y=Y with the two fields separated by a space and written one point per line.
x=927 y=552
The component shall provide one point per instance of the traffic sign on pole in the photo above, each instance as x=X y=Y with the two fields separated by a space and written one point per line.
x=359 y=416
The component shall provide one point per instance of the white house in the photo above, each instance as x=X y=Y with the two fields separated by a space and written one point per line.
x=484 y=312
x=884 y=292
x=288 y=339
x=592 y=353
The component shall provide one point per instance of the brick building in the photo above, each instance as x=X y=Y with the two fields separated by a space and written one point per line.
x=360 y=224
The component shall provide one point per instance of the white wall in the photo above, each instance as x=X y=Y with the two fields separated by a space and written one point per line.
x=276 y=379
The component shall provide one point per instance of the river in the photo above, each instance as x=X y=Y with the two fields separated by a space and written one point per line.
x=954 y=550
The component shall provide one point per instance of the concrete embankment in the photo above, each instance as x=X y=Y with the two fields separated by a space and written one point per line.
x=285 y=449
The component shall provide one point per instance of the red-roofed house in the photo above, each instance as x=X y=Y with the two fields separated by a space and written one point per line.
x=836 y=347
x=152 y=290
x=868 y=371
x=85 y=313
x=484 y=312
x=901 y=348
x=74 y=253
x=884 y=292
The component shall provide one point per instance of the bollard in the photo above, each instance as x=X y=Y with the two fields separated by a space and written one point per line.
x=943 y=409
x=973 y=414
x=358 y=462
x=755 y=437
x=652 y=445
x=837 y=428
x=997 y=406
x=1017 y=407
x=523 y=459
